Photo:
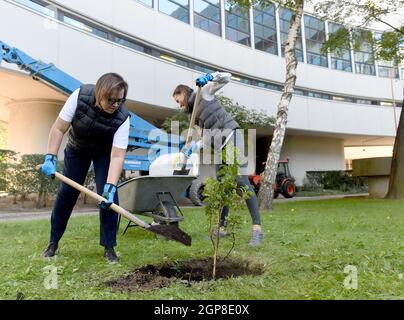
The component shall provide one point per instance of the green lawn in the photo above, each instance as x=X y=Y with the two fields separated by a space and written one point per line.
x=307 y=246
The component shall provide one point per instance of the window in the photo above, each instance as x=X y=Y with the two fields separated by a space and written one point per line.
x=85 y=27
x=364 y=57
x=238 y=25
x=340 y=60
x=129 y=44
x=315 y=37
x=207 y=16
x=178 y=9
x=318 y=95
x=148 y=3
x=265 y=29
x=285 y=15
x=386 y=69
x=39 y=6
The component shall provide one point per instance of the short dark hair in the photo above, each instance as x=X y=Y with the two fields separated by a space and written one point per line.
x=109 y=84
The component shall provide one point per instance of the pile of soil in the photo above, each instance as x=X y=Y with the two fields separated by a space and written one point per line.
x=155 y=277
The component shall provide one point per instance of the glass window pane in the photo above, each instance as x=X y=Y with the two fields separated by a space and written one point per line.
x=47 y=10
x=85 y=27
x=285 y=15
x=315 y=37
x=178 y=9
x=237 y=25
x=265 y=28
x=364 y=57
x=148 y=3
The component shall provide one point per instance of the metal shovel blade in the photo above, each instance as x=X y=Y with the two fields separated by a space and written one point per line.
x=171 y=232
x=182 y=172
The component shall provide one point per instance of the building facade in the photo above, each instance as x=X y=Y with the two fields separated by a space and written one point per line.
x=341 y=101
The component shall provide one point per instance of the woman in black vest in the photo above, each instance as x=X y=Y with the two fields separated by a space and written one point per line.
x=219 y=129
x=99 y=131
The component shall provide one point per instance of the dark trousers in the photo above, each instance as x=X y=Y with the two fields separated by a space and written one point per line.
x=237 y=141
x=252 y=203
x=76 y=165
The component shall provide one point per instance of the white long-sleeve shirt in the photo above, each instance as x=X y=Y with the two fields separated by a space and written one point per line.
x=121 y=136
x=220 y=79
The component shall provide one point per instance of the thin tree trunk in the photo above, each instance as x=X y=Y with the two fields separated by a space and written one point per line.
x=216 y=247
x=396 y=184
x=266 y=193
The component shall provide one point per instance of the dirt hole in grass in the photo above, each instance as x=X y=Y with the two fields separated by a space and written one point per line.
x=155 y=277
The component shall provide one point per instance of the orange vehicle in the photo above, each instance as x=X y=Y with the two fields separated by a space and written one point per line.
x=284 y=184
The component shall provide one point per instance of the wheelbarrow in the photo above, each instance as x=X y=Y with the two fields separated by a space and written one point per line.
x=154 y=196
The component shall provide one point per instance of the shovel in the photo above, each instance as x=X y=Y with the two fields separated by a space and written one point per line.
x=183 y=171
x=168 y=231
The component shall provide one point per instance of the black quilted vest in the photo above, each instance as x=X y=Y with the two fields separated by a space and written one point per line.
x=92 y=129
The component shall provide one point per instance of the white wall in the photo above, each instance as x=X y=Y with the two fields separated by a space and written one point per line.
x=308 y=153
x=29 y=126
x=4 y=112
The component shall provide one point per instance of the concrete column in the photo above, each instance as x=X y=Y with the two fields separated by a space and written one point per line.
x=327 y=36
x=252 y=33
x=30 y=124
x=223 y=18
x=302 y=27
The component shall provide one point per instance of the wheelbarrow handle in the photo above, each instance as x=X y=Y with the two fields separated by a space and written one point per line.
x=119 y=210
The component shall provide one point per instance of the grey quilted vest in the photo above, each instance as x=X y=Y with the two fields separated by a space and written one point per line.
x=216 y=123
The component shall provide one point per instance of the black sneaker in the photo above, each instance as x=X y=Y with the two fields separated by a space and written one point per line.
x=50 y=250
x=111 y=256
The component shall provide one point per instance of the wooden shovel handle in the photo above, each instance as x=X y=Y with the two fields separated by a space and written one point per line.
x=193 y=116
x=97 y=197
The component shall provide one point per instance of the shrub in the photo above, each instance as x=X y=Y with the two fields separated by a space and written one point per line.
x=334 y=180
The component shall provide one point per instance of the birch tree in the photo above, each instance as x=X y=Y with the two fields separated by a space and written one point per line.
x=266 y=192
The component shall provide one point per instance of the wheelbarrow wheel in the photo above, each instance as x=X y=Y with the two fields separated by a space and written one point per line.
x=196 y=193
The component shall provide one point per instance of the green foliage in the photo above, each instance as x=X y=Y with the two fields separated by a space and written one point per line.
x=334 y=180
x=3 y=135
x=355 y=15
x=220 y=192
x=34 y=180
x=390 y=46
x=7 y=158
x=181 y=117
x=247 y=118
x=308 y=245
x=21 y=177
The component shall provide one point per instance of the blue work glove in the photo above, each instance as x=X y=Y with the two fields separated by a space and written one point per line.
x=193 y=146
x=109 y=194
x=203 y=80
x=48 y=168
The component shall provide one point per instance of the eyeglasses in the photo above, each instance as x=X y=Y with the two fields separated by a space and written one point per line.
x=116 y=101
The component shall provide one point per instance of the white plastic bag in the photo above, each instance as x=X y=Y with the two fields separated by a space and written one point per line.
x=167 y=163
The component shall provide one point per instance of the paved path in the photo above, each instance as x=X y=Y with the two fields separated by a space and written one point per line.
x=21 y=216
x=36 y=215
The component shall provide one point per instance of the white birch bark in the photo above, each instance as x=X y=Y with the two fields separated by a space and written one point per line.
x=266 y=193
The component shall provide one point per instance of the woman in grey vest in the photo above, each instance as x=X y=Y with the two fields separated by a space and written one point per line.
x=219 y=129
x=99 y=131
